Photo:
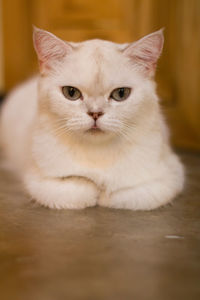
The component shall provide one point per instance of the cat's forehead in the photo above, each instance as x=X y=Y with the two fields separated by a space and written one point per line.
x=96 y=51
x=96 y=63
x=100 y=44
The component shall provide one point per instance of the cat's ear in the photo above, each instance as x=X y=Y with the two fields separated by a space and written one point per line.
x=49 y=48
x=146 y=51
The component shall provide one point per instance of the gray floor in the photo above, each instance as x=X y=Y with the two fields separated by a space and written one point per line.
x=99 y=253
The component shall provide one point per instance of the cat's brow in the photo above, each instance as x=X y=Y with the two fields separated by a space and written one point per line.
x=98 y=59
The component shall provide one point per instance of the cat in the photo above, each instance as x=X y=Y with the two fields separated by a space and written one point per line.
x=88 y=130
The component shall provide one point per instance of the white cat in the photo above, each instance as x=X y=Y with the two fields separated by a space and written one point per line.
x=88 y=131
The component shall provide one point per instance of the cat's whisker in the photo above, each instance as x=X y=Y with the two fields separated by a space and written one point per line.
x=72 y=122
x=61 y=130
x=125 y=133
x=113 y=125
x=55 y=130
x=60 y=120
x=74 y=125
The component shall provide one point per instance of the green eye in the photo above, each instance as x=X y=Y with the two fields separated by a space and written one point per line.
x=71 y=93
x=120 y=94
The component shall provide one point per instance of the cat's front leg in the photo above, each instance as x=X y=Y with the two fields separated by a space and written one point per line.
x=146 y=196
x=69 y=193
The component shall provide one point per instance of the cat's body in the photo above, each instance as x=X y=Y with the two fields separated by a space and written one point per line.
x=63 y=159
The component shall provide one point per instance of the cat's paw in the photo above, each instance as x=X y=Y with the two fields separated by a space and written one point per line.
x=126 y=199
x=75 y=197
x=144 y=197
x=119 y=199
x=62 y=194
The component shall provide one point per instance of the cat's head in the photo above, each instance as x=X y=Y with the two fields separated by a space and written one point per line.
x=97 y=89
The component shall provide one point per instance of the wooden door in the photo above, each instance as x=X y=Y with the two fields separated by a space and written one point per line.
x=178 y=74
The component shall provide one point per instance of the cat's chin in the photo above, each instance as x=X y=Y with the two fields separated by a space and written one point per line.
x=95 y=130
x=96 y=135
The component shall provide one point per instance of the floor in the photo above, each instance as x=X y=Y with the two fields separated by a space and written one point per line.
x=97 y=253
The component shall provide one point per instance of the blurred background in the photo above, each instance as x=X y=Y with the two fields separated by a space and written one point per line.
x=178 y=73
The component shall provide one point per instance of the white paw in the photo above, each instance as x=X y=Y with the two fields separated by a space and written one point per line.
x=62 y=194
x=116 y=200
x=81 y=199
x=145 y=197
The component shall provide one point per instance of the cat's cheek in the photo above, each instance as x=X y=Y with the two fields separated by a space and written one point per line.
x=102 y=126
x=85 y=127
x=109 y=125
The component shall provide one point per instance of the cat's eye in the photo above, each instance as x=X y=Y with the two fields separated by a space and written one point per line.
x=120 y=94
x=71 y=93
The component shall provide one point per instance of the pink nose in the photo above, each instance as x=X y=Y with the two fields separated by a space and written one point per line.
x=95 y=115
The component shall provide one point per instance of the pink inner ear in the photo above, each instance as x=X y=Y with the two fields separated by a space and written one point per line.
x=145 y=55
x=48 y=47
x=148 y=58
x=147 y=50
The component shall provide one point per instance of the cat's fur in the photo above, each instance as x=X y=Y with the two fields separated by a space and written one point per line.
x=63 y=165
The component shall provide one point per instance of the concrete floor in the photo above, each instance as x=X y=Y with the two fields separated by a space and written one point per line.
x=97 y=253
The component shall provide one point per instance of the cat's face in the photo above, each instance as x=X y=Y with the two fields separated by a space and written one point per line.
x=96 y=88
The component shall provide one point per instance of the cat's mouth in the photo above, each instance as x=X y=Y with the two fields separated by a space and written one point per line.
x=95 y=126
x=95 y=129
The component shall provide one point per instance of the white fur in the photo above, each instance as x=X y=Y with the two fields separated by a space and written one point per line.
x=130 y=165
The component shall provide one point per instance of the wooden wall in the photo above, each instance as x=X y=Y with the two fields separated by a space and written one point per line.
x=178 y=73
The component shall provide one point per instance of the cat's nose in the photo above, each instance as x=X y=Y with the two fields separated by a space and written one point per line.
x=95 y=115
